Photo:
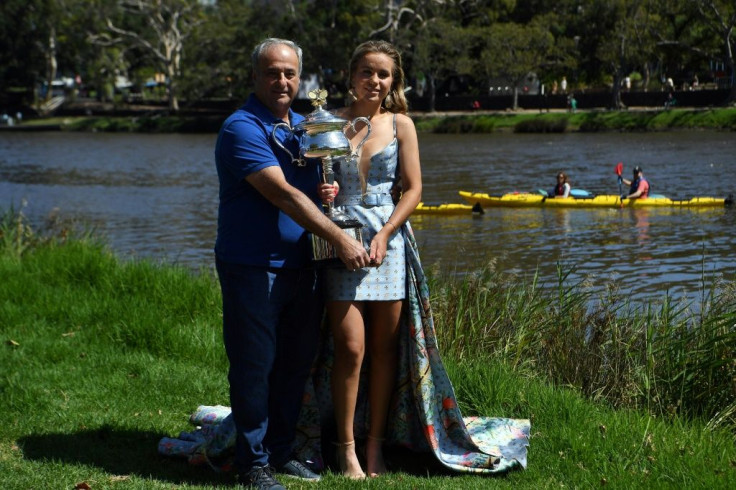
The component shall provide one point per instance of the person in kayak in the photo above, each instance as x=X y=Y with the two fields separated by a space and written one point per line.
x=639 y=187
x=562 y=189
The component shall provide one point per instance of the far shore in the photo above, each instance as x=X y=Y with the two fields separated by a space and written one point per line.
x=139 y=119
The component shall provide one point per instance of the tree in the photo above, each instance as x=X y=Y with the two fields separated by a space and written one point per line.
x=513 y=51
x=27 y=45
x=562 y=57
x=40 y=39
x=720 y=17
x=629 y=41
x=397 y=16
x=436 y=39
x=440 y=49
x=684 y=45
x=330 y=34
x=219 y=51
x=168 y=23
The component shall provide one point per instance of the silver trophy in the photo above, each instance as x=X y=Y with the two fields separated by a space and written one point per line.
x=321 y=135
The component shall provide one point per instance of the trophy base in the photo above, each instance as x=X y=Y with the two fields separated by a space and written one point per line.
x=323 y=253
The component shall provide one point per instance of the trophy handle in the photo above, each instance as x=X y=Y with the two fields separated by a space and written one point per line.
x=298 y=161
x=368 y=133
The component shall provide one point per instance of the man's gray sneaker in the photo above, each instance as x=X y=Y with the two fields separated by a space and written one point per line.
x=261 y=478
x=296 y=469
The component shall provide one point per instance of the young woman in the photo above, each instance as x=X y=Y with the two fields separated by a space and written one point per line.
x=562 y=188
x=364 y=306
x=382 y=312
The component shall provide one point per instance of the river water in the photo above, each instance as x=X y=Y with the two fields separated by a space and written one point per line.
x=155 y=196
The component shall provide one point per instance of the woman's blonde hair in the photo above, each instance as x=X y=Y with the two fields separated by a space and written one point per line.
x=395 y=101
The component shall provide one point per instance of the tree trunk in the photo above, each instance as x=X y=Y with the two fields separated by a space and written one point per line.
x=616 y=103
x=171 y=23
x=51 y=63
x=732 y=94
x=432 y=94
x=173 y=87
x=732 y=66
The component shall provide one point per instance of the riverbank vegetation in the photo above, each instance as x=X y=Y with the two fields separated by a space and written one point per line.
x=103 y=357
x=521 y=122
x=583 y=121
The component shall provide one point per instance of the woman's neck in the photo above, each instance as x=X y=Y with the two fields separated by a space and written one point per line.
x=367 y=111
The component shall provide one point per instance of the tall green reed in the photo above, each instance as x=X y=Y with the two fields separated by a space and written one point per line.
x=664 y=357
x=16 y=235
x=690 y=360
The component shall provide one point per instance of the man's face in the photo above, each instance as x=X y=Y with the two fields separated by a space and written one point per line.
x=276 y=79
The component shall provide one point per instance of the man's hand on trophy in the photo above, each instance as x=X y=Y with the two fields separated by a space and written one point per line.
x=352 y=253
x=328 y=192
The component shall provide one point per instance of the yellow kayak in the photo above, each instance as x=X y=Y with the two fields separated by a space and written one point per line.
x=528 y=199
x=447 y=209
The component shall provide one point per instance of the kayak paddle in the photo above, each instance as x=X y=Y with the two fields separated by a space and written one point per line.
x=619 y=171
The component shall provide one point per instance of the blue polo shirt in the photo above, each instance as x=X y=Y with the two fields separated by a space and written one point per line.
x=251 y=230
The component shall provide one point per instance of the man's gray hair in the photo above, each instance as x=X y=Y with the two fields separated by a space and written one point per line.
x=266 y=44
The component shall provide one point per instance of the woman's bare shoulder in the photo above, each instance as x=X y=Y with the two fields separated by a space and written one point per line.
x=404 y=120
x=405 y=125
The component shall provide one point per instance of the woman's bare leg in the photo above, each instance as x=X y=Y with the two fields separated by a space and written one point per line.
x=383 y=340
x=348 y=331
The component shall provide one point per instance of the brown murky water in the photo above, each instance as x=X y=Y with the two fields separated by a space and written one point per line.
x=156 y=196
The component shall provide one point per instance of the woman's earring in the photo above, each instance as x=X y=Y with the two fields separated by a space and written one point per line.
x=351 y=92
x=388 y=102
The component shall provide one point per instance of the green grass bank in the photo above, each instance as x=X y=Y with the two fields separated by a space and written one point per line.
x=100 y=358
x=581 y=121
x=523 y=121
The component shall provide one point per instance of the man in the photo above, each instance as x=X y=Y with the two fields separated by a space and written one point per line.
x=639 y=187
x=271 y=302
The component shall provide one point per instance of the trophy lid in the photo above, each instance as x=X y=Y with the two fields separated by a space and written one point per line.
x=320 y=120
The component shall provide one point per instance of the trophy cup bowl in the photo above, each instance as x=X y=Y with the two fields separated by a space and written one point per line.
x=325 y=144
x=321 y=135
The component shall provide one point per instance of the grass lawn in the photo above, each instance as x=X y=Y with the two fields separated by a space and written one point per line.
x=101 y=358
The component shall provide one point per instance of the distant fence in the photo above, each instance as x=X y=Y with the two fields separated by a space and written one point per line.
x=590 y=100
x=593 y=100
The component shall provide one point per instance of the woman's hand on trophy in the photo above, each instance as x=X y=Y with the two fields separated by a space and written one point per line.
x=377 y=252
x=328 y=192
